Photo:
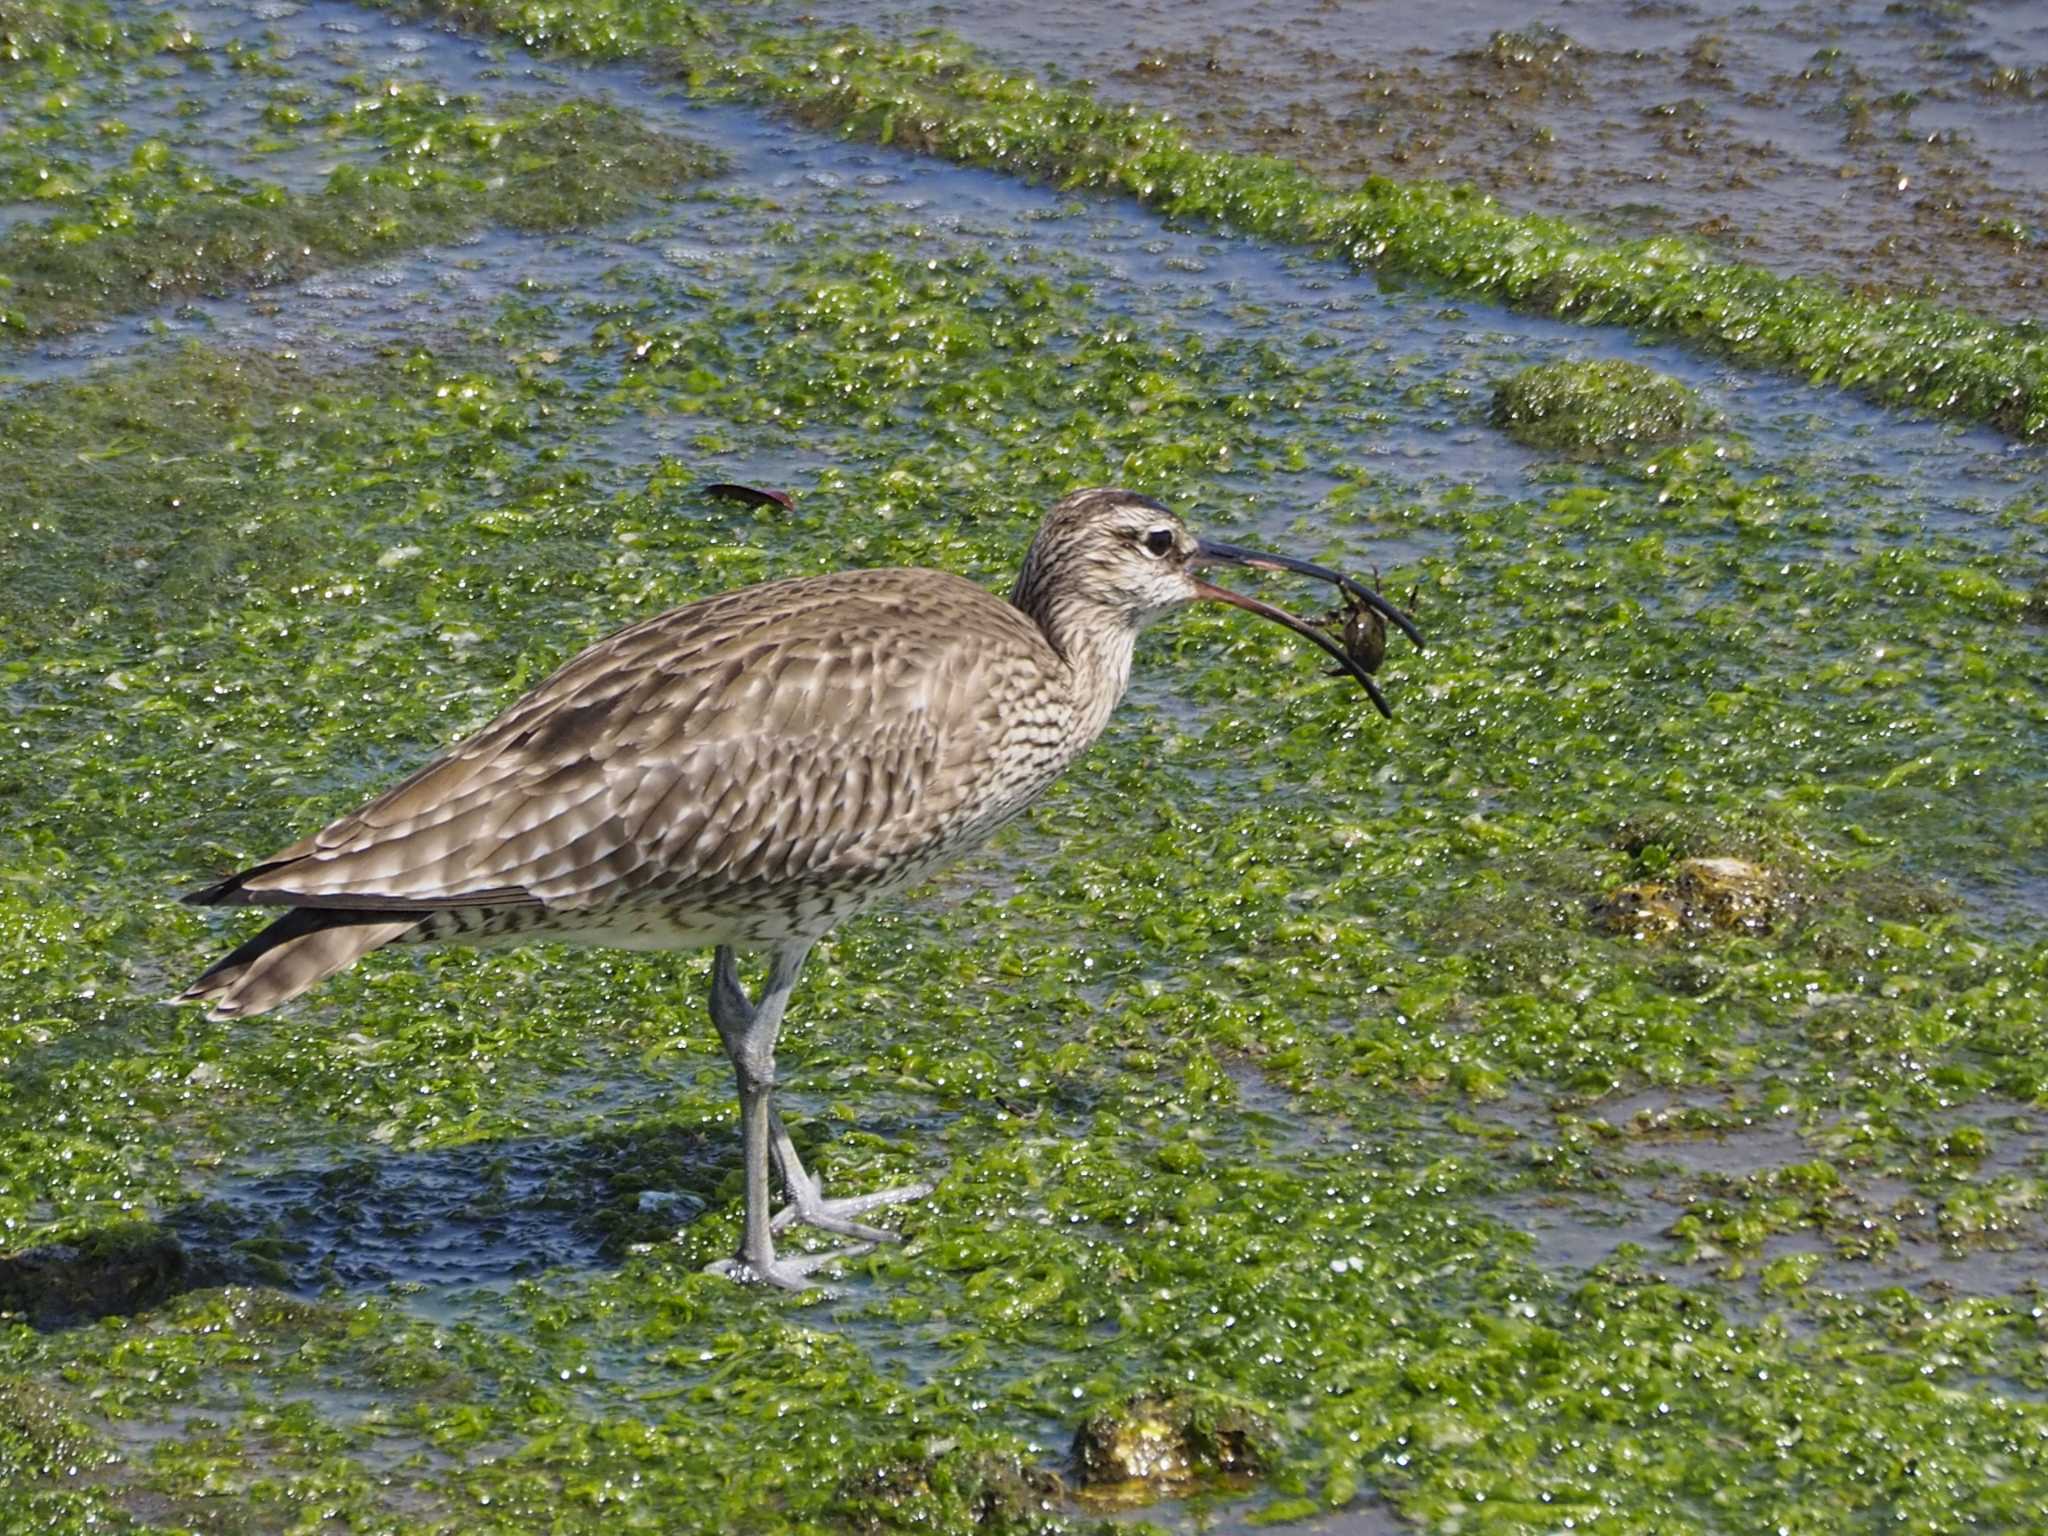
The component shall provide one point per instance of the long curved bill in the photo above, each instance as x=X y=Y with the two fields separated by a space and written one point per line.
x=1209 y=552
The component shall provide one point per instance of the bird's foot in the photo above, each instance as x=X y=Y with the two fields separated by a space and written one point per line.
x=787 y=1272
x=809 y=1208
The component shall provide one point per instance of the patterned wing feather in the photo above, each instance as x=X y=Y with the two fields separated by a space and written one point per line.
x=827 y=728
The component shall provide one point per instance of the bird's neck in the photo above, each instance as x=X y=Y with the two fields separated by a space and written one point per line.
x=1095 y=644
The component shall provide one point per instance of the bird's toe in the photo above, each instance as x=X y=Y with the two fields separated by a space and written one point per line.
x=807 y=1208
x=787 y=1272
x=825 y=1221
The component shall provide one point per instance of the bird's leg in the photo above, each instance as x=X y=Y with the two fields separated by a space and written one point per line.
x=749 y=1036
x=808 y=1205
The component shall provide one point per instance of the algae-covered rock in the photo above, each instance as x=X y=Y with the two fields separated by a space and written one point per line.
x=1154 y=1444
x=41 y=1434
x=1642 y=909
x=111 y=1272
x=949 y=1489
x=1596 y=407
x=1701 y=894
x=1731 y=894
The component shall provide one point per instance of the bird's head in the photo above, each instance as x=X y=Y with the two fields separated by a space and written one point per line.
x=1111 y=560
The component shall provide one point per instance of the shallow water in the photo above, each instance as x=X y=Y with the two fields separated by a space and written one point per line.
x=1871 y=141
x=1915 y=477
x=1178 y=1058
x=1425 y=367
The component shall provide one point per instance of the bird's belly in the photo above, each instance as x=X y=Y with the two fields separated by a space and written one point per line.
x=804 y=905
x=755 y=916
x=648 y=922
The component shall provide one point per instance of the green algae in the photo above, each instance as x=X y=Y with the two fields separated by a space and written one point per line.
x=1169 y=1233
x=1595 y=406
x=160 y=523
x=163 y=227
x=43 y=41
x=44 y=1439
x=937 y=96
x=1229 y=1094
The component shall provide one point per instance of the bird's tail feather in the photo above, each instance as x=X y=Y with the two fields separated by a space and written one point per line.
x=299 y=949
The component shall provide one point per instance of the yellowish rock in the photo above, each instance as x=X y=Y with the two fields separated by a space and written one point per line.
x=1645 y=909
x=1152 y=1445
x=1729 y=894
x=1704 y=895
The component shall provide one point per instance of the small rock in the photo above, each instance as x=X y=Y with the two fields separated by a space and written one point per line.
x=114 y=1271
x=1645 y=909
x=667 y=1202
x=1155 y=1444
x=1704 y=894
x=1730 y=893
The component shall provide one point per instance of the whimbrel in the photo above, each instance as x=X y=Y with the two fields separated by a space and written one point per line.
x=746 y=772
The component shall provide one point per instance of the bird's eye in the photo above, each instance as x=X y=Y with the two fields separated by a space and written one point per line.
x=1159 y=541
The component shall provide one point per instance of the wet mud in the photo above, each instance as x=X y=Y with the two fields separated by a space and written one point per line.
x=1895 y=146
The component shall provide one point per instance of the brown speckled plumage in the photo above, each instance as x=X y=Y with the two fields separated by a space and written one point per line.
x=749 y=769
x=745 y=772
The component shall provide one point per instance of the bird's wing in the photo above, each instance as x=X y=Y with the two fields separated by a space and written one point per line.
x=822 y=727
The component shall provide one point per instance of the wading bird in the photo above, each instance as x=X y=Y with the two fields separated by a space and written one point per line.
x=746 y=772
